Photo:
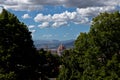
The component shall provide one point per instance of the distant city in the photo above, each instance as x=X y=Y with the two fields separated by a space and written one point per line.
x=53 y=44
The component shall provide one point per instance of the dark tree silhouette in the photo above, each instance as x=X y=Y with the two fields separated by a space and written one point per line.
x=48 y=65
x=18 y=57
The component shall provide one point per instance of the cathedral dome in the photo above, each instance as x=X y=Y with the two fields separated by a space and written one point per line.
x=61 y=47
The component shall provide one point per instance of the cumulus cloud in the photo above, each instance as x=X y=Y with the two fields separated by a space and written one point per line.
x=31 y=26
x=85 y=9
x=42 y=18
x=93 y=11
x=32 y=31
x=44 y=25
x=26 y=16
x=80 y=16
x=62 y=19
x=38 y=4
x=58 y=24
x=20 y=5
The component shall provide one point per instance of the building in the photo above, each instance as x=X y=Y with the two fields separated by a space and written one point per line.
x=60 y=49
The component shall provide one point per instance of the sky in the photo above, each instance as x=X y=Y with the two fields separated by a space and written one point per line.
x=58 y=19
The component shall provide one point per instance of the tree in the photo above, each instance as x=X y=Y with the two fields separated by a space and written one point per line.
x=70 y=68
x=104 y=36
x=18 y=57
x=48 y=64
x=97 y=53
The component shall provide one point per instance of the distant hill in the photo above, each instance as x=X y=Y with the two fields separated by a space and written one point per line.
x=53 y=44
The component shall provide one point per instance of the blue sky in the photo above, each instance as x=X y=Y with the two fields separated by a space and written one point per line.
x=58 y=19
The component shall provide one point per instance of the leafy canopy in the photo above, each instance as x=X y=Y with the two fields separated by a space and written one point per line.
x=17 y=52
x=96 y=55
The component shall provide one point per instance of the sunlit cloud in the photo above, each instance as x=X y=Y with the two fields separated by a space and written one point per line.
x=31 y=26
x=26 y=16
x=44 y=25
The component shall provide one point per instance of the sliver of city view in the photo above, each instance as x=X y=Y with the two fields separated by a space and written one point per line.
x=59 y=40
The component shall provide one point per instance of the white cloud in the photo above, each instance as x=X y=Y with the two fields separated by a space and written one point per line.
x=26 y=16
x=32 y=31
x=58 y=24
x=85 y=9
x=38 y=4
x=44 y=25
x=93 y=11
x=31 y=26
x=80 y=16
x=42 y=18
x=62 y=19
x=58 y=20
x=21 y=5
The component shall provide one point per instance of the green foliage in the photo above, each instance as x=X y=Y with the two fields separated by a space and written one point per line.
x=7 y=76
x=70 y=69
x=17 y=53
x=97 y=53
x=48 y=64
